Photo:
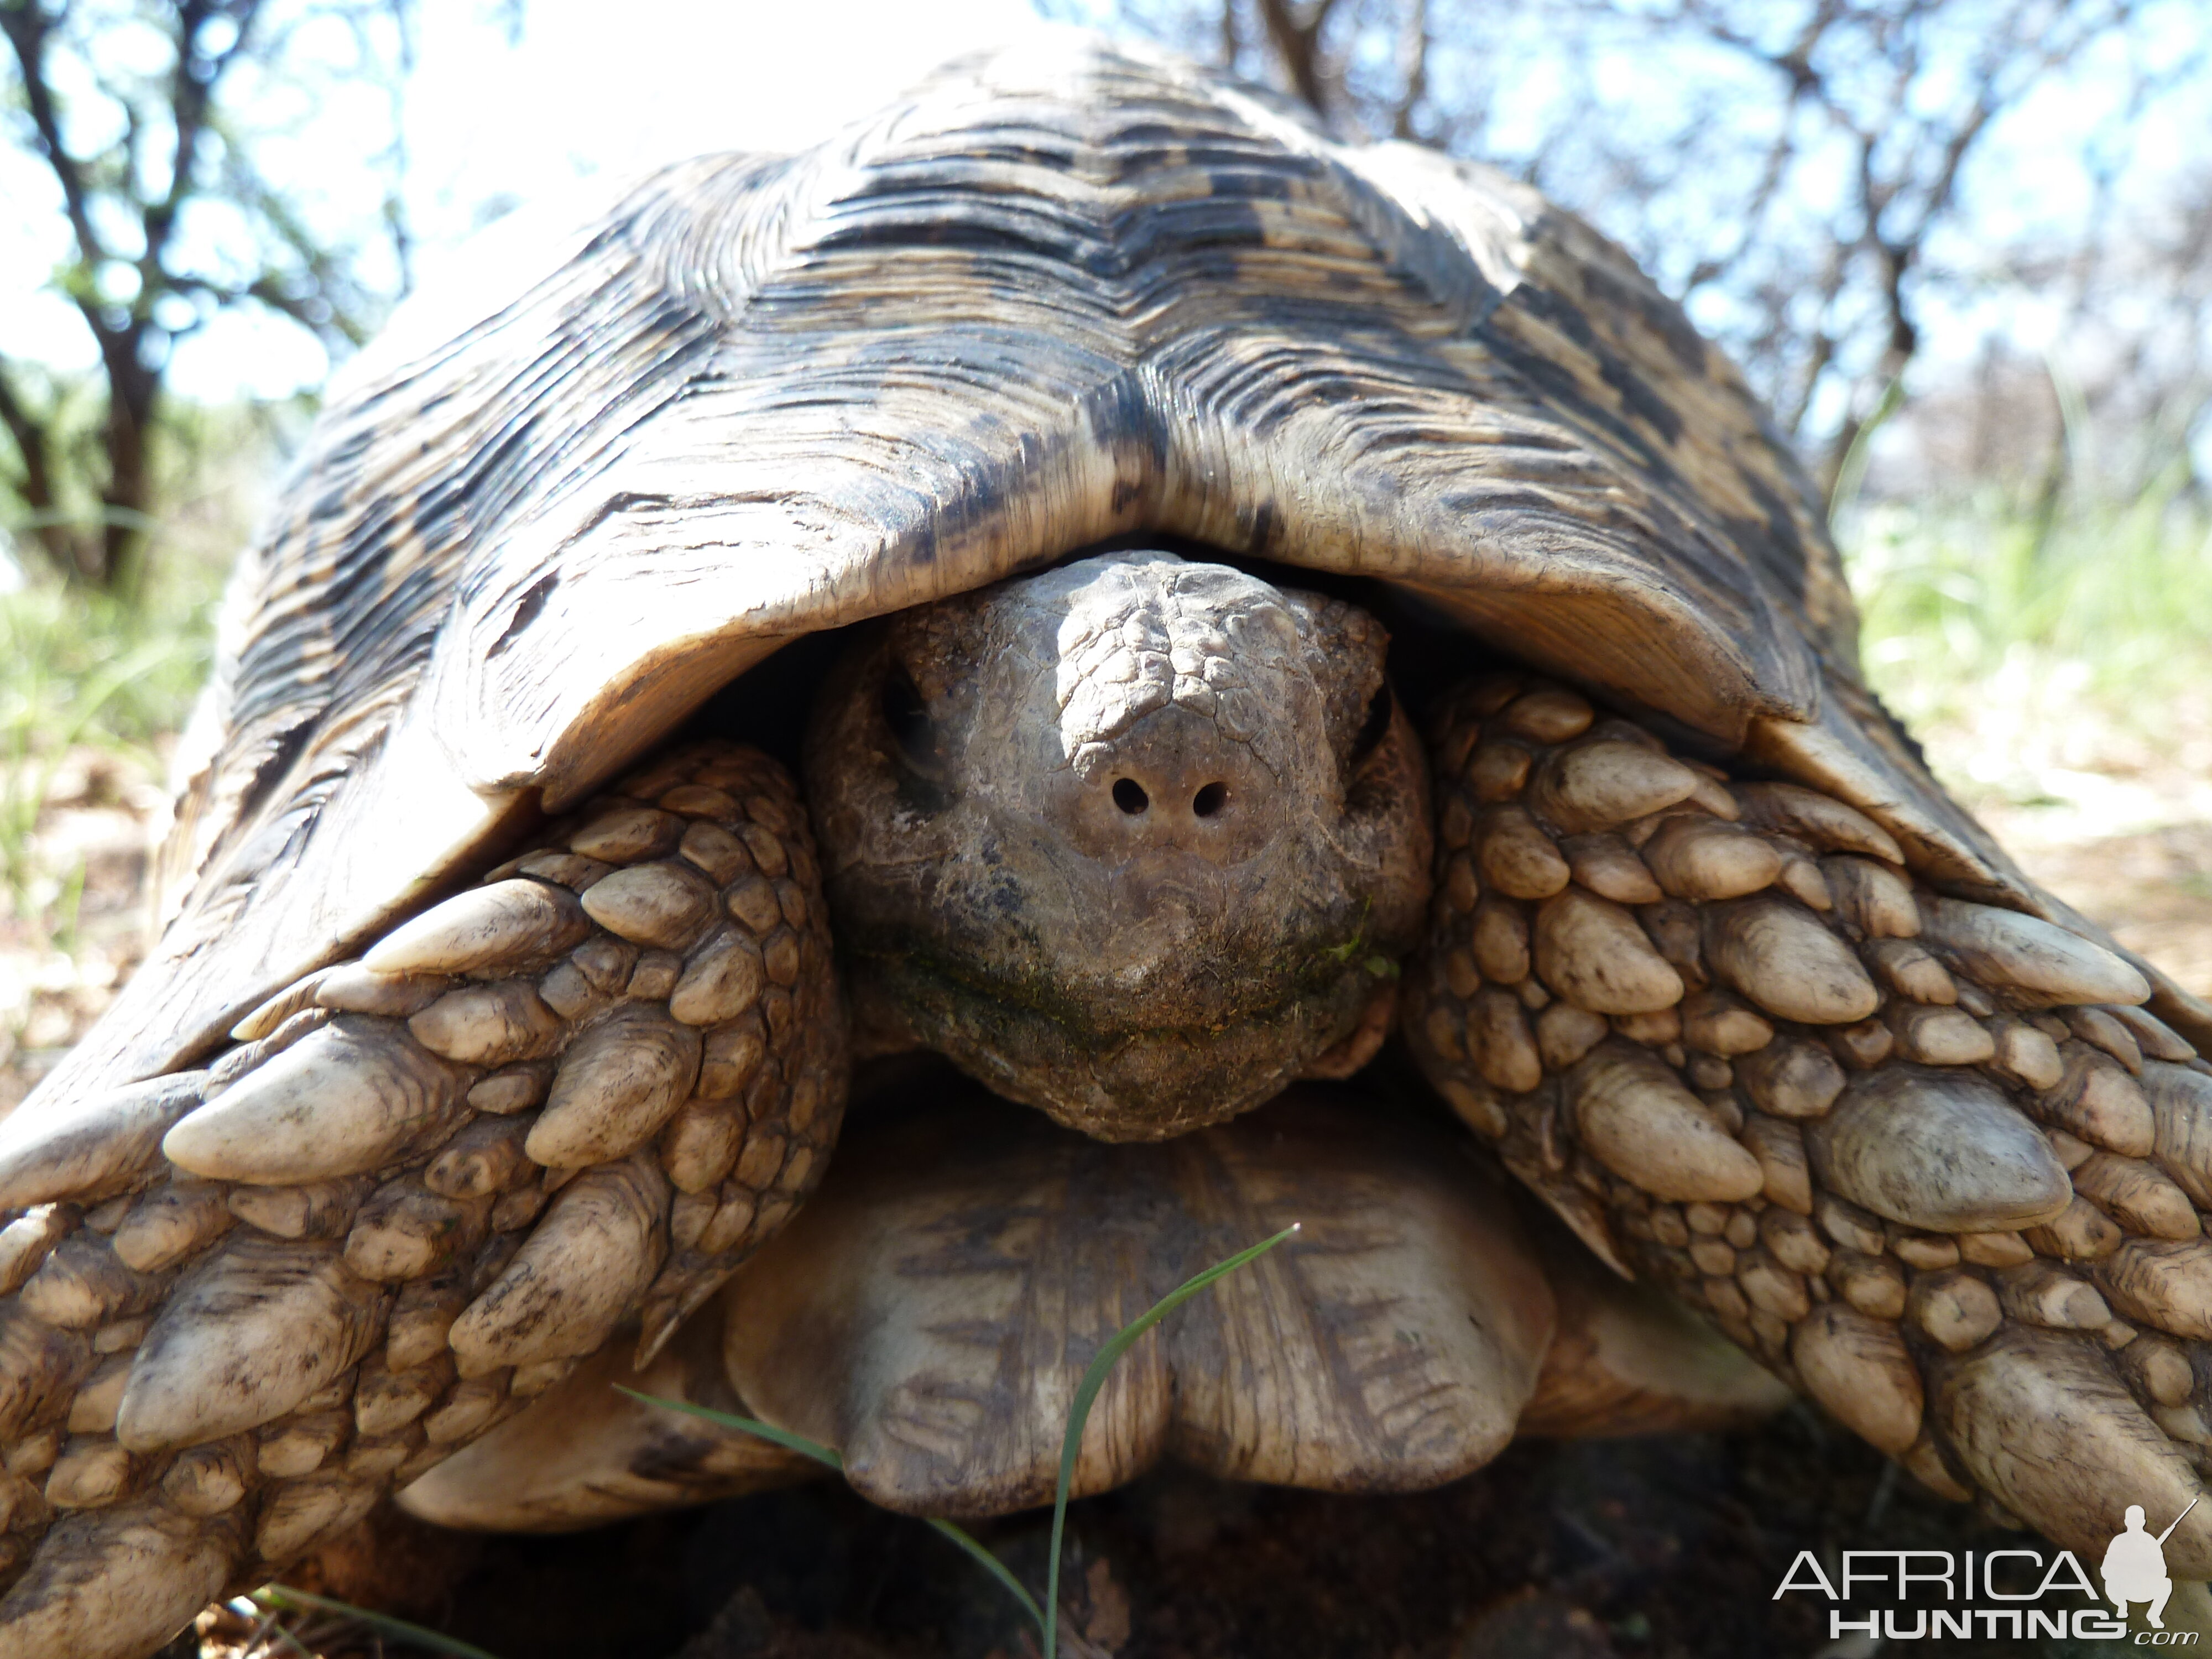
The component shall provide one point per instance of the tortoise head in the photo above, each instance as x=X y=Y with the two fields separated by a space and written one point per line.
x=1136 y=840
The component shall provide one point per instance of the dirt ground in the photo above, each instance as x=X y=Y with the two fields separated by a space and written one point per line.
x=1668 y=1546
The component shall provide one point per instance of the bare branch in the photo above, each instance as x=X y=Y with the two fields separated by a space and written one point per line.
x=31 y=444
x=191 y=92
x=1295 y=34
x=26 y=27
x=1412 y=66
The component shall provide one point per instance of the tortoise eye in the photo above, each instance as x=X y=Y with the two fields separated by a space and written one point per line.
x=1376 y=722
x=907 y=717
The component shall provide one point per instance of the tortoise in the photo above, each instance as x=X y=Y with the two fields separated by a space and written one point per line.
x=1315 y=689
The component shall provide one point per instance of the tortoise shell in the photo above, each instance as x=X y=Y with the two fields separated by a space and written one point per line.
x=1056 y=294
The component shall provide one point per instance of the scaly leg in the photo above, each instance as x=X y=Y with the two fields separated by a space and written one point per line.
x=243 y=1303
x=1926 y=1159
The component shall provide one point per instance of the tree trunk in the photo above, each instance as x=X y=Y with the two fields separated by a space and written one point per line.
x=54 y=539
x=127 y=498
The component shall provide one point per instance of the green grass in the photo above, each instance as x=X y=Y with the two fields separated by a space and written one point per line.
x=1963 y=602
x=92 y=689
x=83 y=670
x=79 y=669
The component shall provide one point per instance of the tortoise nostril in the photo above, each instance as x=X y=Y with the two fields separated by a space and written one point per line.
x=1210 y=799
x=1129 y=795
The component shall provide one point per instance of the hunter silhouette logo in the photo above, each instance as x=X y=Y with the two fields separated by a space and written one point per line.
x=2134 y=1566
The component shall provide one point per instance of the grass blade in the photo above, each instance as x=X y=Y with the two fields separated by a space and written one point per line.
x=822 y=1453
x=272 y=1624
x=1094 y=1379
x=752 y=1425
x=284 y=1598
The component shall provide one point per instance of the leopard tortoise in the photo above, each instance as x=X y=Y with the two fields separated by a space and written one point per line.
x=1047 y=472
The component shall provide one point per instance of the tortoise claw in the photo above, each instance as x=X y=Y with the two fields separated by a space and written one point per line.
x=2041 y=1422
x=116 y=1584
x=104 y=1145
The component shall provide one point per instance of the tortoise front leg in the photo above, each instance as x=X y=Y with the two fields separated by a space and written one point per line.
x=243 y=1303
x=1927 y=1160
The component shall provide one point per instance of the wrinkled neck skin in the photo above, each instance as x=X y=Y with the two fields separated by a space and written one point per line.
x=1137 y=841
